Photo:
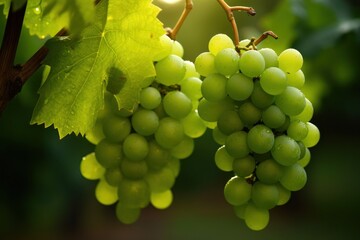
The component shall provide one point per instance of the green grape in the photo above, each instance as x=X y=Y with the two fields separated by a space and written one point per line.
x=297 y=130
x=192 y=87
x=174 y=166
x=134 y=193
x=190 y=70
x=260 y=139
x=223 y=160
x=145 y=122
x=210 y=125
x=116 y=129
x=213 y=88
x=135 y=147
x=270 y=57
x=290 y=60
x=170 y=70
x=294 y=177
x=169 y=133
x=90 y=168
x=284 y=195
x=249 y=114
x=113 y=176
x=230 y=122
x=273 y=81
x=302 y=149
x=264 y=195
x=244 y=167
x=160 y=180
x=244 y=44
x=252 y=63
x=150 y=98
x=105 y=193
x=260 y=98
x=127 y=215
x=205 y=64
x=240 y=210
x=285 y=126
x=147 y=82
x=313 y=135
x=160 y=111
x=219 y=42
x=184 y=149
x=211 y=111
x=218 y=136
x=177 y=49
x=227 y=61
x=273 y=117
x=296 y=79
x=194 y=126
x=133 y=169
x=176 y=104
x=269 y=171
x=108 y=154
x=291 y=101
x=237 y=191
x=304 y=161
x=166 y=48
x=161 y=200
x=158 y=157
x=286 y=151
x=96 y=134
x=307 y=113
x=239 y=87
x=236 y=144
x=256 y=218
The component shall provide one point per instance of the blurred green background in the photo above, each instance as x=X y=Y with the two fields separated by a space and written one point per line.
x=43 y=195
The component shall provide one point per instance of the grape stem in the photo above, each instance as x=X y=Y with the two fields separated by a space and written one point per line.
x=264 y=36
x=173 y=32
x=230 y=15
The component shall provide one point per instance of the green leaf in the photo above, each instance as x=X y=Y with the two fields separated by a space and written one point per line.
x=6 y=4
x=125 y=36
x=48 y=17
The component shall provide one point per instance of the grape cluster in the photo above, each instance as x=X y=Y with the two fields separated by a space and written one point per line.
x=137 y=154
x=260 y=117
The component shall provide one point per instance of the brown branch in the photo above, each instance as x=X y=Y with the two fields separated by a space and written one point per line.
x=230 y=15
x=10 y=83
x=173 y=32
x=12 y=78
x=264 y=36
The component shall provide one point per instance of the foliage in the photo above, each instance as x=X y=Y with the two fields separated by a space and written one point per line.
x=331 y=63
x=73 y=93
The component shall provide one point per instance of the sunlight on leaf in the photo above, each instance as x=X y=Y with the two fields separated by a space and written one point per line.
x=125 y=35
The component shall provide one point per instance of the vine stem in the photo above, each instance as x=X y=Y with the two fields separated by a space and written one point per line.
x=264 y=36
x=10 y=82
x=13 y=77
x=188 y=7
x=230 y=15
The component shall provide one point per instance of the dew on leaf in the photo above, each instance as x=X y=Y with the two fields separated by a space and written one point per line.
x=37 y=10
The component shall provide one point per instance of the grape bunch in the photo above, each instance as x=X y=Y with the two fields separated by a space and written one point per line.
x=137 y=154
x=252 y=100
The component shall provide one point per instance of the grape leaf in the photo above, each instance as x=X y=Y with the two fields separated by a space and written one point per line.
x=6 y=4
x=47 y=17
x=124 y=36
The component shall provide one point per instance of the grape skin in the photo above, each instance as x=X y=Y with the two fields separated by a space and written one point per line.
x=261 y=122
x=138 y=151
